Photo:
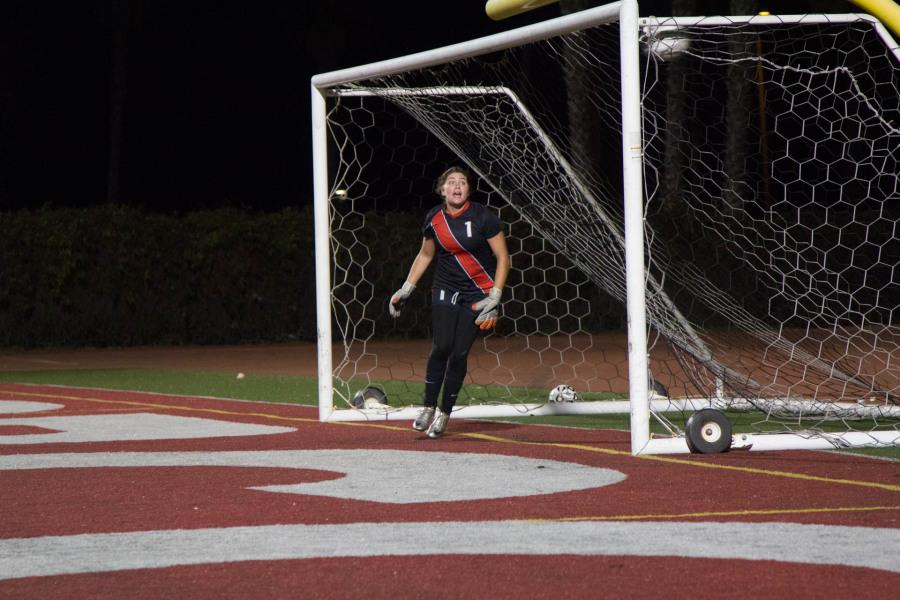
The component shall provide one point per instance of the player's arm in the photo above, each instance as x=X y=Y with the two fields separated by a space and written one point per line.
x=498 y=247
x=421 y=262
x=419 y=266
x=488 y=308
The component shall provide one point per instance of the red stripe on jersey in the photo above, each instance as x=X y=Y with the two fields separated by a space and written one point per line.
x=465 y=259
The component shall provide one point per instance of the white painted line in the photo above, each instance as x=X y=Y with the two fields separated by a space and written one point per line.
x=129 y=426
x=389 y=476
x=782 y=542
x=12 y=407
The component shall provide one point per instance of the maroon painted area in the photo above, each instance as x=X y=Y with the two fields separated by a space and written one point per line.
x=64 y=502
x=473 y=576
x=23 y=430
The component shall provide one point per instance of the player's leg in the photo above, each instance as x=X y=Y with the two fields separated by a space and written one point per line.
x=457 y=364
x=443 y=332
x=443 y=325
x=458 y=360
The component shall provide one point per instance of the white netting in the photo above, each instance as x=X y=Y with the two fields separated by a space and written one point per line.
x=772 y=171
x=771 y=217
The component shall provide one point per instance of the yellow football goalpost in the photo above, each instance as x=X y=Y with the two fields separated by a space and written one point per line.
x=886 y=11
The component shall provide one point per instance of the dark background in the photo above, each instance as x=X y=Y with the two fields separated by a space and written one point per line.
x=207 y=101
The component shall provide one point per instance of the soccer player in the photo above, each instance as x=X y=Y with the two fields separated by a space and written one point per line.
x=471 y=270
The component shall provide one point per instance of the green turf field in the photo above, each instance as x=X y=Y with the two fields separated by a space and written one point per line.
x=269 y=388
x=302 y=390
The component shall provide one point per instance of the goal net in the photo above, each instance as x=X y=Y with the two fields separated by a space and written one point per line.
x=769 y=235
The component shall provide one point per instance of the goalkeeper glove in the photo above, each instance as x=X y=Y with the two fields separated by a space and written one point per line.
x=395 y=305
x=488 y=309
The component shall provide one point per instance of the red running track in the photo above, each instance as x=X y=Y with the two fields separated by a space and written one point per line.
x=112 y=494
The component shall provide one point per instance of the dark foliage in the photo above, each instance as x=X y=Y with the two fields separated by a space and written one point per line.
x=119 y=276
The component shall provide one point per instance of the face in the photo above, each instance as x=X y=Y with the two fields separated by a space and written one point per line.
x=455 y=190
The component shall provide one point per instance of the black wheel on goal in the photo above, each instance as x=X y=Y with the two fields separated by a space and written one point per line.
x=708 y=432
x=370 y=393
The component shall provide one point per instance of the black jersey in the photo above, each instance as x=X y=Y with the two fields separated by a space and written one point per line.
x=465 y=262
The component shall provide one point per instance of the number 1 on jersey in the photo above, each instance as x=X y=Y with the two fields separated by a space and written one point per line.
x=468 y=228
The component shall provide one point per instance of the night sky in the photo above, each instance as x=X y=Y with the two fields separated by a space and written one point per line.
x=214 y=108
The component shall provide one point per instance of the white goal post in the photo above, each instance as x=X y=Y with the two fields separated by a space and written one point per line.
x=725 y=254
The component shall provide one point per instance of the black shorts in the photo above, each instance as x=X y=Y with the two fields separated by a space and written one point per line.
x=453 y=322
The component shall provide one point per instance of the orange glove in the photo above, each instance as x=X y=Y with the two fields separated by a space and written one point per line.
x=488 y=309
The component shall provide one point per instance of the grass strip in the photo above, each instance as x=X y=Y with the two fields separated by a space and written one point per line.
x=303 y=390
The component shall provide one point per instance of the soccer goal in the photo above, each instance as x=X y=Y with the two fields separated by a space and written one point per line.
x=702 y=216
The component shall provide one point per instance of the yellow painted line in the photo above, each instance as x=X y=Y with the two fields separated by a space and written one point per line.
x=727 y=513
x=788 y=474
x=694 y=463
x=500 y=440
x=163 y=406
x=214 y=411
x=481 y=436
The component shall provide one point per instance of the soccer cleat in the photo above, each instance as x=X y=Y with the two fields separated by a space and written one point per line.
x=424 y=419
x=438 y=425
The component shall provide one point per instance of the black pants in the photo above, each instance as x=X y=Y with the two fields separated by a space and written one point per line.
x=454 y=330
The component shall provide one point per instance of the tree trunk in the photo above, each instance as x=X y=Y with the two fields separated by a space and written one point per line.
x=120 y=22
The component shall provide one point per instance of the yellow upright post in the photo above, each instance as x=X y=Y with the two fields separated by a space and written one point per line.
x=886 y=11
x=502 y=9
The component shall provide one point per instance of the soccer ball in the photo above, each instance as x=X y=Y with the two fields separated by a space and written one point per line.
x=563 y=393
x=668 y=48
x=370 y=397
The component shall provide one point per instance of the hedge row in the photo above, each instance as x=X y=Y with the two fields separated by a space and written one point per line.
x=120 y=276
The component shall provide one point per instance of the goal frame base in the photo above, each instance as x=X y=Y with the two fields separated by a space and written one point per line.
x=492 y=411
x=766 y=442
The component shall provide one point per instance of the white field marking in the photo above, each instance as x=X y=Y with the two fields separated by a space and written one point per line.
x=388 y=476
x=12 y=407
x=874 y=548
x=43 y=361
x=130 y=426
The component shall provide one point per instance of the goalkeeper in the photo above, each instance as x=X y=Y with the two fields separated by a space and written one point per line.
x=471 y=269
